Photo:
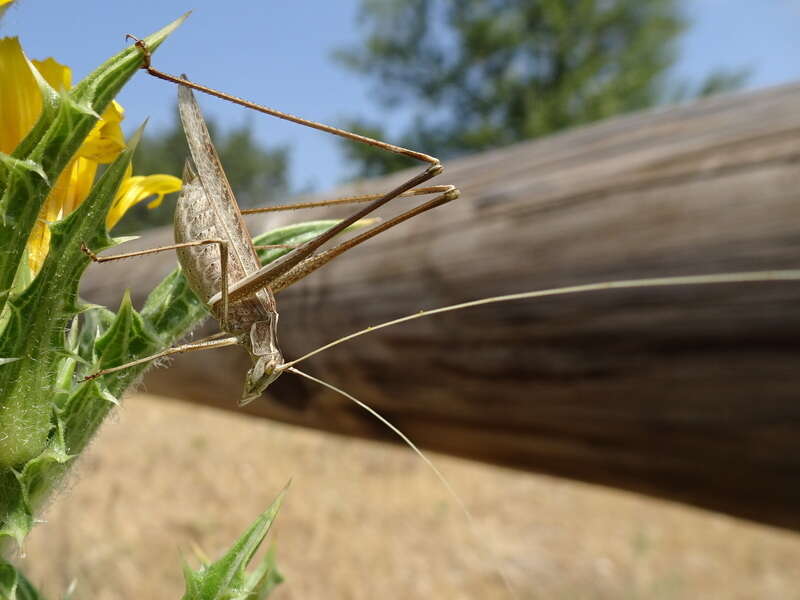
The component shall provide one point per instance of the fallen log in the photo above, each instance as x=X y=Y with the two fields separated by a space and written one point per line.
x=686 y=393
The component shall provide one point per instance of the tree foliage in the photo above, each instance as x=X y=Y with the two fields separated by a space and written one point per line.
x=486 y=73
x=258 y=175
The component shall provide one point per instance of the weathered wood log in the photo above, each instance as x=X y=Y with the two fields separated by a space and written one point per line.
x=688 y=393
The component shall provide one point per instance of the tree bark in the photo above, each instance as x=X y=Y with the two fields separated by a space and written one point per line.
x=686 y=393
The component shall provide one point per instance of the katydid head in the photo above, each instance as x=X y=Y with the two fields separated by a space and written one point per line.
x=262 y=344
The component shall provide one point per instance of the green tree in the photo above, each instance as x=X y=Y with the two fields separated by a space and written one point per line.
x=486 y=73
x=257 y=174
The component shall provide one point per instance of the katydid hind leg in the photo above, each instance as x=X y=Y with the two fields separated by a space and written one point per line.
x=311 y=264
x=271 y=272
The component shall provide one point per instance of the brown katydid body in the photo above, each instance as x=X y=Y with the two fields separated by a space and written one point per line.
x=207 y=210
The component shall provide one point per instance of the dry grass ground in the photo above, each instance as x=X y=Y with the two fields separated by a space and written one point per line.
x=364 y=520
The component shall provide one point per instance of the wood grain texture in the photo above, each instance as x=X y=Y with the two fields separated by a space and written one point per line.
x=689 y=393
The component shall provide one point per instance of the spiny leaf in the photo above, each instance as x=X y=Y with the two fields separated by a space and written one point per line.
x=265 y=578
x=23 y=492
x=9 y=165
x=295 y=235
x=226 y=578
x=16 y=511
x=33 y=433
x=126 y=339
x=95 y=320
x=39 y=317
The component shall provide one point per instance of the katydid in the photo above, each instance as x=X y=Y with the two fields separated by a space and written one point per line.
x=220 y=262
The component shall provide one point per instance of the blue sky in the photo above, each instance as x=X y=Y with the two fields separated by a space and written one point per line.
x=278 y=53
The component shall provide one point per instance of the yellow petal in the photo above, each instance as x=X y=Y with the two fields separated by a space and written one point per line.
x=161 y=185
x=38 y=244
x=104 y=143
x=135 y=189
x=70 y=189
x=114 y=112
x=57 y=75
x=81 y=179
x=20 y=99
x=106 y=140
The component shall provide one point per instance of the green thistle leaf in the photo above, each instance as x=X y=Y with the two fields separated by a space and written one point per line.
x=226 y=579
x=39 y=318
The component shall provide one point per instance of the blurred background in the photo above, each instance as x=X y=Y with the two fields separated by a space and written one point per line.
x=473 y=82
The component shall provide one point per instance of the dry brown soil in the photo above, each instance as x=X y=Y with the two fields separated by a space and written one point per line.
x=365 y=520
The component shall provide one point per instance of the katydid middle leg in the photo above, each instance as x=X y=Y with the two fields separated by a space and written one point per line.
x=346 y=200
x=223 y=261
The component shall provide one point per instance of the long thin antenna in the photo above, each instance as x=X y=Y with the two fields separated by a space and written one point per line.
x=442 y=479
x=744 y=277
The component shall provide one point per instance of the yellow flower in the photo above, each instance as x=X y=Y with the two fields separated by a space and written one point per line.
x=20 y=105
